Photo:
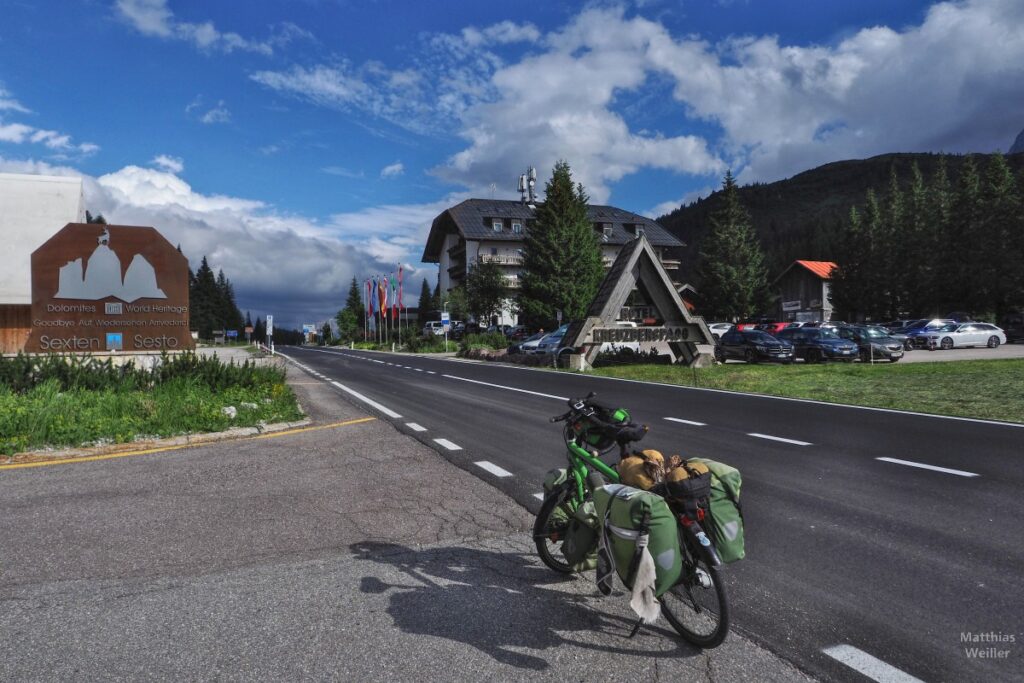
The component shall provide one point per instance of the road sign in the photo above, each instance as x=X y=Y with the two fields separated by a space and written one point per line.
x=446 y=321
x=270 y=325
x=248 y=329
x=309 y=328
x=558 y=315
x=232 y=334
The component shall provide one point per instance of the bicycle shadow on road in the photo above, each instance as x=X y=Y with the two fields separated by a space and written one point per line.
x=495 y=601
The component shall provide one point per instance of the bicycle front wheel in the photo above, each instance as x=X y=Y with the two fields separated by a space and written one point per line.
x=549 y=531
x=697 y=606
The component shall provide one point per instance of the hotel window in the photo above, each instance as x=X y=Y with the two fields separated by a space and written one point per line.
x=517 y=227
x=494 y=251
x=496 y=224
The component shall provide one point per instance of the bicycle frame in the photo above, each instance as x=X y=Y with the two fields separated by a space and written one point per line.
x=581 y=463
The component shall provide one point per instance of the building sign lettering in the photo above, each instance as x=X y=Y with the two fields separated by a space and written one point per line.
x=600 y=335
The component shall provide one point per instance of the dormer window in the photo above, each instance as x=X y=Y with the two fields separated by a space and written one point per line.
x=496 y=224
x=517 y=227
x=606 y=231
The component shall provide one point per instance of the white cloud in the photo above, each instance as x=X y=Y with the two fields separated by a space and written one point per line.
x=8 y=103
x=154 y=18
x=168 y=163
x=219 y=114
x=392 y=170
x=502 y=33
x=19 y=133
x=343 y=172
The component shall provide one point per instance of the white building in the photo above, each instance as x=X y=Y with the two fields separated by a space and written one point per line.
x=492 y=230
x=32 y=209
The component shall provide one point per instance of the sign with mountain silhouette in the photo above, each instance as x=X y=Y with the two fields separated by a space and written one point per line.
x=101 y=288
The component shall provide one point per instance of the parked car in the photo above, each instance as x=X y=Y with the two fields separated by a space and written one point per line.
x=958 y=335
x=1013 y=326
x=815 y=344
x=500 y=329
x=772 y=328
x=718 y=329
x=527 y=345
x=517 y=332
x=457 y=330
x=551 y=342
x=752 y=346
x=433 y=327
x=917 y=334
x=873 y=342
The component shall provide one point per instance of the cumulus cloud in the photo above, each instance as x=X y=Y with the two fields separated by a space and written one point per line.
x=168 y=163
x=59 y=143
x=955 y=82
x=392 y=170
x=265 y=252
x=154 y=18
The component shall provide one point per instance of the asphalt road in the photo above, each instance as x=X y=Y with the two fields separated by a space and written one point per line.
x=339 y=551
x=887 y=565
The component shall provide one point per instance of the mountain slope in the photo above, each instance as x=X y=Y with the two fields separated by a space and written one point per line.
x=800 y=217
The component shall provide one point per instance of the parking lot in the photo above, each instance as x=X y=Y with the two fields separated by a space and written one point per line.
x=1015 y=350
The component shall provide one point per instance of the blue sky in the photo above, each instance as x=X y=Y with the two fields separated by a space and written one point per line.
x=299 y=144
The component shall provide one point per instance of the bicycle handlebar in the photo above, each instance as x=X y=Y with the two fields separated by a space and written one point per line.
x=585 y=407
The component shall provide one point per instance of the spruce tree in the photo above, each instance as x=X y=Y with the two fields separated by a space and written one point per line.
x=915 y=264
x=562 y=264
x=847 y=288
x=350 y=318
x=874 y=301
x=1001 y=211
x=942 y=258
x=732 y=274
x=425 y=305
x=965 y=269
x=891 y=248
x=204 y=301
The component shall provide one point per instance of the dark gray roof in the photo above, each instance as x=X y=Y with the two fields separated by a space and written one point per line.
x=472 y=219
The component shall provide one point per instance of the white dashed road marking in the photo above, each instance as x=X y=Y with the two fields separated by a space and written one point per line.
x=415 y=427
x=369 y=401
x=502 y=386
x=686 y=422
x=493 y=469
x=870 y=666
x=448 y=444
x=779 y=438
x=946 y=470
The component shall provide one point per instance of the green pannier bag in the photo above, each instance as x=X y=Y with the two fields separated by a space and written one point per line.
x=726 y=528
x=621 y=508
x=580 y=543
x=554 y=478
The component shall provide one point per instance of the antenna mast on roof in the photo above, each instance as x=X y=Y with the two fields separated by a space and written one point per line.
x=527 y=186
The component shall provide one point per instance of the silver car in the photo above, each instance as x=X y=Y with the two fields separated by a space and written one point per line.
x=956 y=335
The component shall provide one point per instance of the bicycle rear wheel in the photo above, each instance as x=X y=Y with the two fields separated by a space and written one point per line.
x=549 y=530
x=697 y=606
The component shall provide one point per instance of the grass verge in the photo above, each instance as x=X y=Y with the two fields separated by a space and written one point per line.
x=99 y=405
x=986 y=389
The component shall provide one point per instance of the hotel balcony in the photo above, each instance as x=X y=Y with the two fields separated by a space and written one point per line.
x=501 y=259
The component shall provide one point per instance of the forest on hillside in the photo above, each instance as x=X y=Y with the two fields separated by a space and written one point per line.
x=804 y=217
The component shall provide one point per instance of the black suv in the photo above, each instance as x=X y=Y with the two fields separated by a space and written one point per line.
x=874 y=343
x=752 y=346
x=815 y=344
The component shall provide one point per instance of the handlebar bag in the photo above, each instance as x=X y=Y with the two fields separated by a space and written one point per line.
x=622 y=507
x=726 y=527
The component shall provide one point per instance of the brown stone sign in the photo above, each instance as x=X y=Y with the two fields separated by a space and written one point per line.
x=99 y=288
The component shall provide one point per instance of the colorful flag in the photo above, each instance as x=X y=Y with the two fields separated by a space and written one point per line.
x=369 y=299
x=382 y=295
x=373 y=297
x=394 y=297
x=400 y=287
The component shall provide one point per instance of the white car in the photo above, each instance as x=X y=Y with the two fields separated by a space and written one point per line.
x=433 y=327
x=718 y=329
x=965 y=334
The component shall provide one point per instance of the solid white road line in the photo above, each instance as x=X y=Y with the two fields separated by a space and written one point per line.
x=448 y=444
x=415 y=427
x=686 y=422
x=959 y=473
x=870 y=666
x=387 y=411
x=502 y=386
x=539 y=496
x=493 y=469
x=779 y=438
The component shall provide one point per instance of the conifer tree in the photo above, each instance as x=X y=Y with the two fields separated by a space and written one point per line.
x=732 y=274
x=848 y=279
x=350 y=317
x=562 y=265
x=1001 y=211
x=425 y=305
x=915 y=264
x=485 y=291
x=964 y=260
